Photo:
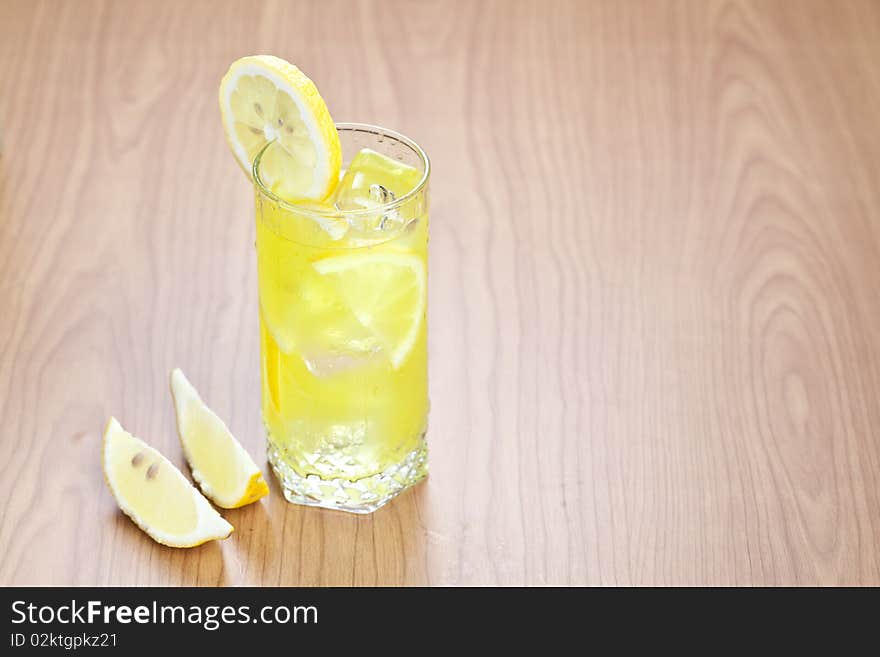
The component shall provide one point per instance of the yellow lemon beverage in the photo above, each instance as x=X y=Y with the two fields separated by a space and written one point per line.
x=343 y=293
x=342 y=238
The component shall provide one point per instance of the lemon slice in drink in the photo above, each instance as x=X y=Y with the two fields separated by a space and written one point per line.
x=224 y=470
x=385 y=291
x=265 y=99
x=155 y=495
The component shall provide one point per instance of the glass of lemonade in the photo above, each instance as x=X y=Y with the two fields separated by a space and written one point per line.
x=343 y=301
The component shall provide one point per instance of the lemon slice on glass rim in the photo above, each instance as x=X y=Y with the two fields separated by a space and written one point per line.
x=265 y=99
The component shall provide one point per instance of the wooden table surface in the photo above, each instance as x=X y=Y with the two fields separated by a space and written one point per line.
x=654 y=286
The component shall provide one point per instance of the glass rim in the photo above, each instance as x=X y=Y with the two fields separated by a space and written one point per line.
x=385 y=207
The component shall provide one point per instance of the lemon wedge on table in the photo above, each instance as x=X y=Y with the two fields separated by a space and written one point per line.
x=223 y=469
x=385 y=291
x=155 y=494
x=265 y=99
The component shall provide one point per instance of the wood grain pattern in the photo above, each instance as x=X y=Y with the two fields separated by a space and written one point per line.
x=654 y=293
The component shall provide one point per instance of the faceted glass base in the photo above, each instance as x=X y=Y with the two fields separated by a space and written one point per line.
x=361 y=496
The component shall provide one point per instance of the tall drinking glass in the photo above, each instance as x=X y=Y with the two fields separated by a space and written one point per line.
x=343 y=300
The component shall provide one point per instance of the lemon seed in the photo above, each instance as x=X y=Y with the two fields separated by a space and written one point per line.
x=152 y=470
x=136 y=459
x=258 y=109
